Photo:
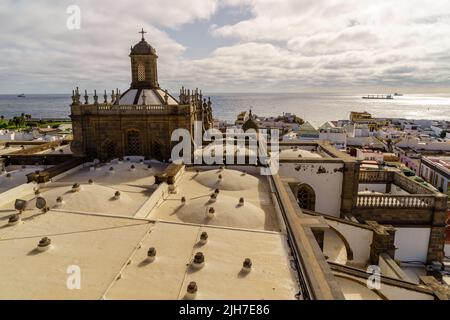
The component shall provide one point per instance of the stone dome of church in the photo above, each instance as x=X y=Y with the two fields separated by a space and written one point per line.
x=142 y=48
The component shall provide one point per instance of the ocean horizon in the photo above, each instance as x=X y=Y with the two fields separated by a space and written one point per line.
x=317 y=108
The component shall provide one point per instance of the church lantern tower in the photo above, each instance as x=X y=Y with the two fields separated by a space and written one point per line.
x=139 y=121
x=144 y=67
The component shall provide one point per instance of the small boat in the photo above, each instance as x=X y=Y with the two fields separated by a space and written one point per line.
x=379 y=96
x=21 y=96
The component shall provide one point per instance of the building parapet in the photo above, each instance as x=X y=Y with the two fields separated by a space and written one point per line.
x=109 y=109
x=396 y=201
x=388 y=177
x=313 y=268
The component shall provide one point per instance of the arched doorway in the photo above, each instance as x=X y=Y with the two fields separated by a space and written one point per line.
x=306 y=197
x=133 y=143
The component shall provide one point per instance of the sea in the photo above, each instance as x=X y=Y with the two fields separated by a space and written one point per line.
x=317 y=108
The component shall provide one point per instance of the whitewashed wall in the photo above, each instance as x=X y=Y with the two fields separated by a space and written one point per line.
x=412 y=244
x=327 y=186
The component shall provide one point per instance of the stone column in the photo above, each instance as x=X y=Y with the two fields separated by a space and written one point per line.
x=350 y=184
x=388 y=187
x=437 y=234
x=382 y=242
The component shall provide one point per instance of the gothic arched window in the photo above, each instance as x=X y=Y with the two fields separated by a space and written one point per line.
x=141 y=72
x=306 y=197
x=133 y=143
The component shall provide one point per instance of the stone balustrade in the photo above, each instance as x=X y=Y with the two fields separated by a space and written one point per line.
x=396 y=201
x=129 y=109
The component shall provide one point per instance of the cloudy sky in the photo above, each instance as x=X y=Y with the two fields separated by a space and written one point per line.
x=229 y=45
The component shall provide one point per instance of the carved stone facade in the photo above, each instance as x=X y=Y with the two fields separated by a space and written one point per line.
x=141 y=120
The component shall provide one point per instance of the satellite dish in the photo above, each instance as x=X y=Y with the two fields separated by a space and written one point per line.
x=20 y=204
x=41 y=203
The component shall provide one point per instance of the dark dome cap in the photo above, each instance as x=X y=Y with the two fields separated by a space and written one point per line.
x=143 y=48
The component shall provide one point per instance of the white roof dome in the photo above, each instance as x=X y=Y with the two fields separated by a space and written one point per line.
x=91 y=198
x=228 y=213
x=152 y=97
x=232 y=180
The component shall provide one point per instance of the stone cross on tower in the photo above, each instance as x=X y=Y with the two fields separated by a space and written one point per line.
x=142 y=32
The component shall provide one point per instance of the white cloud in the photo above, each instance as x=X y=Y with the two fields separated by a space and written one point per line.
x=352 y=42
x=283 y=45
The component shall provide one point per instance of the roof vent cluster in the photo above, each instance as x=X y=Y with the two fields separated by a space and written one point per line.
x=76 y=187
x=247 y=265
x=199 y=261
x=203 y=238
x=14 y=219
x=213 y=198
x=211 y=212
x=191 y=291
x=151 y=254
x=44 y=244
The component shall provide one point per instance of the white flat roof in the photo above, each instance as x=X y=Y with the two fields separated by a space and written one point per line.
x=257 y=212
x=221 y=278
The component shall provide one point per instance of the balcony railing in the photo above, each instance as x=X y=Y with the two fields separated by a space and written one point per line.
x=383 y=176
x=410 y=185
x=130 y=109
x=396 y=201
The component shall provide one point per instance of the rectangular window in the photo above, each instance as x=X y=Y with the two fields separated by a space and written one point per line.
x=141 y=72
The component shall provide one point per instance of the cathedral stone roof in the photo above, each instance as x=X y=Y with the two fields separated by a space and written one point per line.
x=143 y=48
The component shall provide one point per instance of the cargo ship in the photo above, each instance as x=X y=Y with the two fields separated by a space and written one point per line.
x=379 y=96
